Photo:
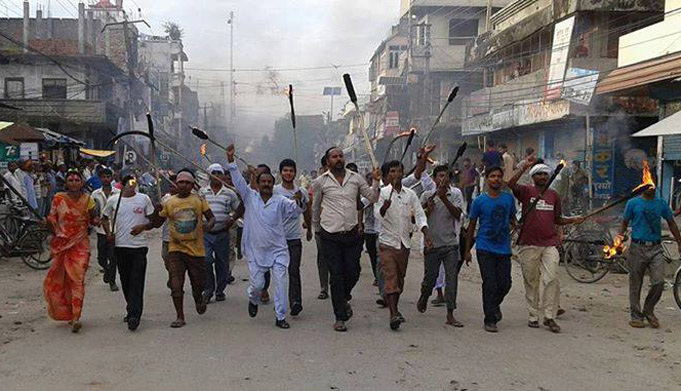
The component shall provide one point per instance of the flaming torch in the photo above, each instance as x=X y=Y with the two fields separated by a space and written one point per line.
x=647 y=183
x=202 y=150
x=617 y=248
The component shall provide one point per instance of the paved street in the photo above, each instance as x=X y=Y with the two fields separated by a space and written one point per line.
x=226 y=350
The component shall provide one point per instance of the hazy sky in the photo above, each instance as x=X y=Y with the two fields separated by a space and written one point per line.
x=277 y=33
x=280 y=34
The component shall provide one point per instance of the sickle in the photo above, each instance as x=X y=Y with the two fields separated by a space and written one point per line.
x=130 y=133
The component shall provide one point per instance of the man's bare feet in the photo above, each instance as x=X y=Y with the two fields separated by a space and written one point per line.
x=451 y=320
x=178 y=323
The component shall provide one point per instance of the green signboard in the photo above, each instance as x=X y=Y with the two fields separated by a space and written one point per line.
x=8 y=153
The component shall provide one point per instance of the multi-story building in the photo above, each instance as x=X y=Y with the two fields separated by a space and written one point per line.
x=161 y=64
x=649 y=65
x=541 y=60
x=66 y=75
x=422 y=59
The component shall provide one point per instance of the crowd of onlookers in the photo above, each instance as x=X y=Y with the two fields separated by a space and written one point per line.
x=38 y=181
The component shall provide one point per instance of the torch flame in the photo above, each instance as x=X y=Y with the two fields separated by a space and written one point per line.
x=617 y=248
x=203 y=149
x=563 y=163
x=132 y=183
x=647 y=177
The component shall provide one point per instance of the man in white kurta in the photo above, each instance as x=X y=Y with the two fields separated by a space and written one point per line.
x=264 y=237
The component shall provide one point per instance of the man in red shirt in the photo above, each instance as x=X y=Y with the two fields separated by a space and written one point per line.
x=538 y=241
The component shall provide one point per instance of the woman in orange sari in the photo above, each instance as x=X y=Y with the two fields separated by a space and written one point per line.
x=71 y=215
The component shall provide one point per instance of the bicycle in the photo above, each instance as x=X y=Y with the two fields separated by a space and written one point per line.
x=23 y=236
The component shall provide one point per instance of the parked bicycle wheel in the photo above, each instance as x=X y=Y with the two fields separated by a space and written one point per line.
x=677 y=288
x=584 y=259
x=36 y=248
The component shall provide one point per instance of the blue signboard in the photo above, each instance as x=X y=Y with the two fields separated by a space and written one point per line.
x=603 y=164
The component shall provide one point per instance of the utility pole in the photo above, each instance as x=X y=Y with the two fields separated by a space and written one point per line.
x=232 y=93
x=488 y=16
x=130 y=65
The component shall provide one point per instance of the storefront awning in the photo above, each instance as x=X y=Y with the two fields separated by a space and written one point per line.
x=96 y=152
x=638 y=75
x=52 y=136
x=665 y=127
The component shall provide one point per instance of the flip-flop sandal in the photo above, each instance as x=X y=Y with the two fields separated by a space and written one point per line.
x=340 y=328
x=177 y=324
x=323 y=296
x=202 y=304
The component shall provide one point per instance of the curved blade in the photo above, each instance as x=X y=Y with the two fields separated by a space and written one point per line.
x=130 y=133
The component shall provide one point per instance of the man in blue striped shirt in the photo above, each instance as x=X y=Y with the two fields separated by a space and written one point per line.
x=223 y=203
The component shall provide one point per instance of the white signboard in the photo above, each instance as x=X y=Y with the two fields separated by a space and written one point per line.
x=562 y=34
x=29 y=151
x=579 y=85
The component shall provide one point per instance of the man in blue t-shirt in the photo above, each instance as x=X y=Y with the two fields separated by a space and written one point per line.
x=644 y=213
x=496 y=212
x=492 y=157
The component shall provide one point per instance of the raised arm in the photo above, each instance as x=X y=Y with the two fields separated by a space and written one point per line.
x=371 y=193
x=522 y=167
x=239 y=182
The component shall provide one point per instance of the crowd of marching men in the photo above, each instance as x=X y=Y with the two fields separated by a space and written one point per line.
x=344 y=212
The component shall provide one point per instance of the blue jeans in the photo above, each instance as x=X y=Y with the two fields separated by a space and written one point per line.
x=217 y=262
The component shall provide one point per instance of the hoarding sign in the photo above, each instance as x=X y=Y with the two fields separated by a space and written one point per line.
x=579 y=85
x=562 y=35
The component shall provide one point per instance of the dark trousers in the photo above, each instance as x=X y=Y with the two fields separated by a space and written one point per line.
x=132 y=267
x=268 y=277
x=372 y=249
x=449 y=256
x=106 y=259
x=218 y=252
x=295 y=290
x=495 y=270
x=322 y=267
x=342 y=253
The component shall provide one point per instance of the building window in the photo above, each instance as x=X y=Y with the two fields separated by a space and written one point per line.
x=54 y=88
x=462 y=30
x=394 y=57
x=423 y=34
x=14 y=88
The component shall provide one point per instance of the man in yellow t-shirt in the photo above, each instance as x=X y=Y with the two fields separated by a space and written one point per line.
x=186 y=251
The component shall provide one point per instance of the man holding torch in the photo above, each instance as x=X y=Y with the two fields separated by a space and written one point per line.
x=644 y=213
x=538 y=240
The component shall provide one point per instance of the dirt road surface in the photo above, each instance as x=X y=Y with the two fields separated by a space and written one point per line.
x=226 y=350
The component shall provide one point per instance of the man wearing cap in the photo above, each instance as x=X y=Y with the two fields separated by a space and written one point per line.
x=186 y=249
x=538 y=241
x=223 y=203
x=264 y=238
x=104 y=247
x=128 y=211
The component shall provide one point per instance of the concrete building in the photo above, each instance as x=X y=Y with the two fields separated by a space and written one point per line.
x=56 y=73
x=420 y=61
x=649 y=67
x=541 y=61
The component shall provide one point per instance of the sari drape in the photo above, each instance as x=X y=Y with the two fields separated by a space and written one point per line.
x=64 y=286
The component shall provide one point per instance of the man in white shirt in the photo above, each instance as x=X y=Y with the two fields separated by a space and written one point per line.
x=395 y=235
x=11 y=177
x=223 y=203
x=105 y=256
x=335 y=206
x=129 y=218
